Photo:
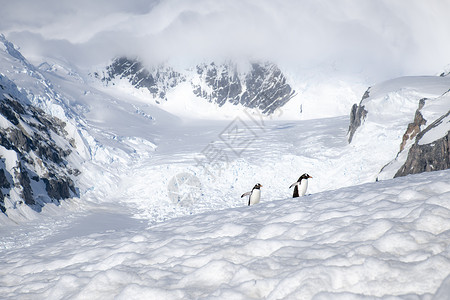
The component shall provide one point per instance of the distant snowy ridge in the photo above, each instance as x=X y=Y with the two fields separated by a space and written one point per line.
x=445 y=72
x=156 y=80
x=37 y=89
x=261 y=85
x=409 y=113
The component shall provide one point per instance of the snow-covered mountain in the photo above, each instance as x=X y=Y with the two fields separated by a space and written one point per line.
x=409 y=116
x=40 y=153
x=156 y=81
x=255 y=85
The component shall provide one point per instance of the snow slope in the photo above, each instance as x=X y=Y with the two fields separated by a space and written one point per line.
x=384 y=240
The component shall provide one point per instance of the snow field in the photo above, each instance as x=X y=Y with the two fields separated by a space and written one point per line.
x=141 y=178
x=383 y=239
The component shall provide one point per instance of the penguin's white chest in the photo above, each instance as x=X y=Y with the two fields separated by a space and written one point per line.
x=255 y=196
x=302 y=187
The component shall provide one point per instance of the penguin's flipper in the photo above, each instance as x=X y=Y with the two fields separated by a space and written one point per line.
x=246 y=194
x=295 y=183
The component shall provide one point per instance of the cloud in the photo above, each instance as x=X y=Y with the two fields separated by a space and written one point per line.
x=395 y=37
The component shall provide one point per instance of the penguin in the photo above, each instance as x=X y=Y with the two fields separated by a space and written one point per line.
x=255 y=194
x=303 y=182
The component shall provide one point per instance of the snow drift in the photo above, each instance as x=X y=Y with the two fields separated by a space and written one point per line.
x=384 y=240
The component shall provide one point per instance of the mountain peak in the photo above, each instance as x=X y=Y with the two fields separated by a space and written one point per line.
x=261 y=85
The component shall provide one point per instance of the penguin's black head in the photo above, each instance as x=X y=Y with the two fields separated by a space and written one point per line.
x=257 y=186
x=304 y=176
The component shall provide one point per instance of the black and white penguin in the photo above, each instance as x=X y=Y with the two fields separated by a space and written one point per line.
x=255 y=194
x=303 y=183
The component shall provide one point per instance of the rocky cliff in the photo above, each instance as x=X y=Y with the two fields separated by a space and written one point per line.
x=357 y=116
x=33 y=154
x=429 y=152
x=37 y=150
x=386 y=108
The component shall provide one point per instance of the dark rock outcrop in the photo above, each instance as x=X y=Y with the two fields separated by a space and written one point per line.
x=434 y=156
x=414 y=127
x=222 y=81
x=158 y=80
x=59 y=188
x=264 y=86
x=36 y=162
x=357 y=116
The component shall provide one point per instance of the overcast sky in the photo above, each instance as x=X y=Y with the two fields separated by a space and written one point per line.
x=405 y=37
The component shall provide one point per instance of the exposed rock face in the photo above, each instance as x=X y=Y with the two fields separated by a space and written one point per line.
x=357 y=116
x=434 y=156
x=4 y=185
x=263 y=86
x=414 y=127
x=399 y=105
x=158 y=80
x=33 y=153
x=222 y=84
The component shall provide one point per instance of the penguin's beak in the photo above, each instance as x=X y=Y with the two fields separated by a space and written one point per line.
x=309 y=176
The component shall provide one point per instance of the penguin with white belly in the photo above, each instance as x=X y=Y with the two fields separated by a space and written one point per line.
x=255 y=194
x=300 y=186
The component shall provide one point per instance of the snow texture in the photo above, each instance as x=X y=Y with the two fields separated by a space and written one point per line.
x=380 y=239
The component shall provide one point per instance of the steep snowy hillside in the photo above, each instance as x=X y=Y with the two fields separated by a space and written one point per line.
x=34 y=156
x=38 y=90
x=40 y=154
x=398 y=114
